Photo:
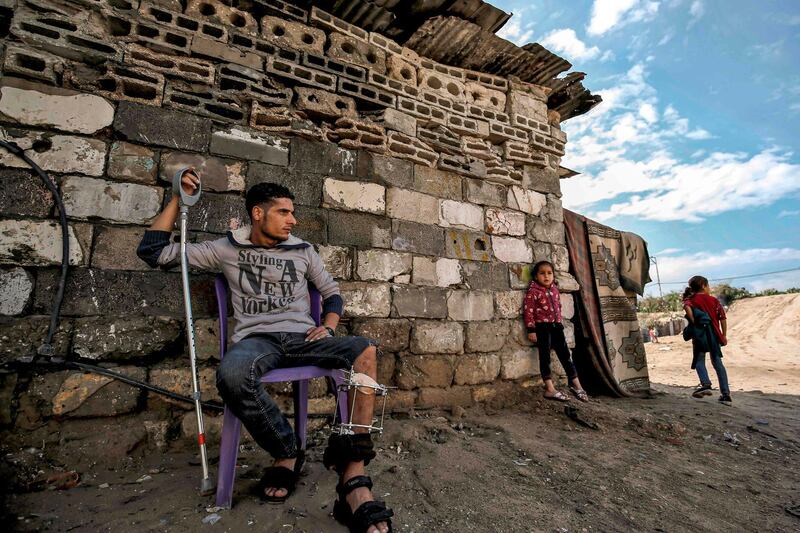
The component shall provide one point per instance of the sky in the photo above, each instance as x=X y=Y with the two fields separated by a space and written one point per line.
x=696 y=144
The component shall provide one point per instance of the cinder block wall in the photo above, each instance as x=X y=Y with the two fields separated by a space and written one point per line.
x=428 y=190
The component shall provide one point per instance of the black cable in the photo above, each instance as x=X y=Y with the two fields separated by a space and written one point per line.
x=46 y=349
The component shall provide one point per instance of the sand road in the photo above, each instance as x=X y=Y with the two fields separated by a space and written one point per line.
x=763 y=351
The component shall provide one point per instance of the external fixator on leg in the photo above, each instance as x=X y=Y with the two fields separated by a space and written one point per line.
x=359 y=384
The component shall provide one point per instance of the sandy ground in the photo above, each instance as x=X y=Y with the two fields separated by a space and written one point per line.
x=763 y=351
x=662 y=463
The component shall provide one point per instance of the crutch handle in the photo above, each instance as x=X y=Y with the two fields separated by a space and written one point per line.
x=177 y=188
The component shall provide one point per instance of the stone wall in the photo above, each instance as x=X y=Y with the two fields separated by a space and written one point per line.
x=428 y=189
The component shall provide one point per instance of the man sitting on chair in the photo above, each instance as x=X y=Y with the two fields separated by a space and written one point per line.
x=268 y=271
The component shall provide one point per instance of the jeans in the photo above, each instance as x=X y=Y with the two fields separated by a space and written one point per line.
x=551 y=335
x=702 y=373
x=239 y=385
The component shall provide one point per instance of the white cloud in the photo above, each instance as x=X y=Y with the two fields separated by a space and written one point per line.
x=787 y=213
x=609 y=14
x=515 y=32
x=626 y=149
x=731 y=262
x=696 y=12
x=565 y=41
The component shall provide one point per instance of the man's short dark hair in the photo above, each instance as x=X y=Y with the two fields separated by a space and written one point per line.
x=265 y=193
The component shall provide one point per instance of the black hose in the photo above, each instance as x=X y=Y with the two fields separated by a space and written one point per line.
x=46 y=349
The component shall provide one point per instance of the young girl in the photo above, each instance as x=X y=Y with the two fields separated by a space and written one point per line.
x=710 y=327
x=542 y=311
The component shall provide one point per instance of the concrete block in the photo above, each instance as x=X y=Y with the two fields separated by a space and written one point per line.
x=490 y=81
x=414 y=237
x=385 y=170
x=115 y=202
x=520 y=363
x=485 y=275
x=520 y=152
x=393 y=119
x=477 y=368
x=437 y=182
x=324 y=104
x=186 y=68
x=33 y=104
x=485 y=193
x=312 y=225
x=367 y=92
x=520 y=275
x=242 y=143
x=415 y=371
x=391 y=333
x=567 y=306
x=206 y=102
x=421 y=302
x=359 y=229
x=179 y=380
x=442 y=84
x=357 y=51
x=510 y=250
x=440 y=272
x=382 y=265
x=472 y=168
x=425 y=113
x=22 y=336
x=440 y=138
x=131 y=162
x=467 y=245
x=486 y=336
x=499 y=133
x=251 y=84
x=359 y=135
x=542 y=251
x=480 y=95
x=509 y=303
x=560 y=258
x=215 y=50
x=283 y=121
x=112 y=339
x=460 y=215
x=544 y=231
x=485 y=114
x=443 y=102
x=221 y=13
x=301 y=74
x=307 y=192
x=567 y=283
x=337 y=261
x=323 y=19
x=334 y=66
x=219 y=175
x=38 y=243
x=22 y=193
x=363 y=299
x=430 y=337
x=162 y=127
x=528 y=201
x=115 y=248
x=503 y=222
x=118 y=82
x=354 y=196
x=467 y=126
x=412 y=206
x=385 y=43
x=289 y=34
x=31 y=63
x=470 y=305
x=91 y=395
x=401 y=70
x=477 y=148
x=326 y=159
x=16 y=289
x=58 y=153
x=528 y=101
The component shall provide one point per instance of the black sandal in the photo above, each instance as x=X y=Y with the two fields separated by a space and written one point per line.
x=280 y=477
x=367 y=514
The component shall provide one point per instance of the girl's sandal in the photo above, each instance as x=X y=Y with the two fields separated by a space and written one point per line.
x=367 y=514
x=579 y=394
x=280 y=477
x=557 y=397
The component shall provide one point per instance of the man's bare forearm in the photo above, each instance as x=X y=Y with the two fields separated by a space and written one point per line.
x=165 y=221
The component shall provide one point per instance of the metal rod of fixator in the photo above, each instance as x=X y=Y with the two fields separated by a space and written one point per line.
x=186 y=201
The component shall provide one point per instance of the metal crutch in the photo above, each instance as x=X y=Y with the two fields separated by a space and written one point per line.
x=186 y=200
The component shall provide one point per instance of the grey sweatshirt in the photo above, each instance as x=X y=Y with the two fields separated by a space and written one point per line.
x=268 y=286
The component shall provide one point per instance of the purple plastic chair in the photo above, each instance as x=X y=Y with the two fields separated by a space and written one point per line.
x=299 y=376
